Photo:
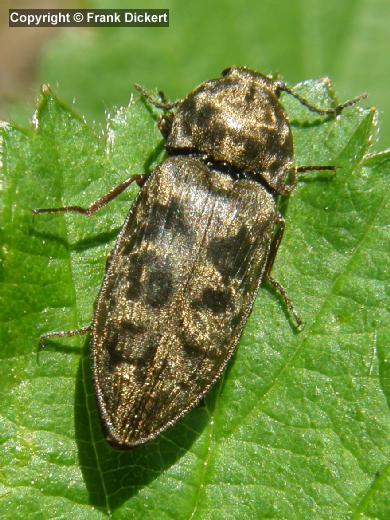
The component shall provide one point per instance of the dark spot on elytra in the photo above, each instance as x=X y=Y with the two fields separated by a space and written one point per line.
x=132 y=243
x=127 y=344
x=143 y=355
x=195 y=351
x=235 y=321
x=191 y=349
x=151 y=228
x=159 y=284
x=137 y=263
x=231 y=255
x=183 y=385
x=134 y=278
x=192 y=352
x=165 y=218
x=215 y=300
x=131 y=329
x=174 y=220
x=156 y=288
x=115 y=356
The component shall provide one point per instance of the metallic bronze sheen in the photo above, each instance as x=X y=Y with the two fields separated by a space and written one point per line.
x=187 y=265
x=180 y=285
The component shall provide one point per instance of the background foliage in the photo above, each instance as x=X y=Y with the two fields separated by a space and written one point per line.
x=347 y=41
x=299 y=426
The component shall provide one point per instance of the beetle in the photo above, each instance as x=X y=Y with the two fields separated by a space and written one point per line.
x=203 y=232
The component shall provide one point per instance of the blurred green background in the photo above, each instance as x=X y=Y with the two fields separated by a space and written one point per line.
x=346 y=40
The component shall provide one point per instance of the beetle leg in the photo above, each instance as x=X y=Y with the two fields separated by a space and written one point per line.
x=288 y=188
x=65 y=334
x=274 y=283
x=62 y=334
x=98 y=204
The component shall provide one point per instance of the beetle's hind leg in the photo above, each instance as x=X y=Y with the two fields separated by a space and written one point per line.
x=274 y=283
x=84 y=331
x=64 y=334
x=98 y=204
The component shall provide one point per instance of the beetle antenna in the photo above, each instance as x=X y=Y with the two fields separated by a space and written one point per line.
x=153 y=101
x=324 y=112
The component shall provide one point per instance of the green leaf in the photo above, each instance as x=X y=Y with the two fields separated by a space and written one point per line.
x=299 y=425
